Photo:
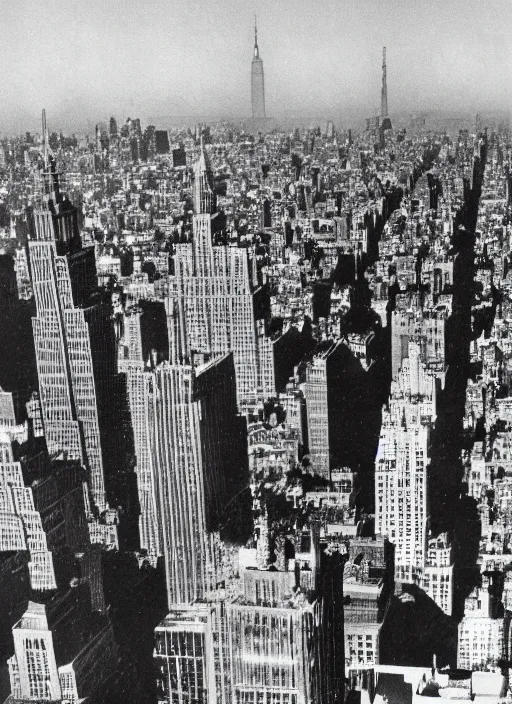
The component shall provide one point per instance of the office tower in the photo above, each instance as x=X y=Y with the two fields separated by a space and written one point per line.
x=140 y=385
x=63 y=274
x=384 y=93
x=198 y=443
x=21 y=527
x=213 y=286
x=142 y=344
x=322 y=391
x=183 y=486
x=368 y=579
x=61 y=652
x=416 y=318
x=162 y=141
x=384 y=118
x=401 y=480
x=149 y=143
x=401 y=495
x=257 y=81
x=283 y=632
x=481 y=642
x=113 y=127
x=135 y=127
x=317 y=409
x=438 y=579
x=191 y=655
x=98 y=140
x=33 y=668
x=179 y=157
x=202 y=187
x=199 y=454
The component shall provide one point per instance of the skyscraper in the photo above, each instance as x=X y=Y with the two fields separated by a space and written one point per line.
x=204 y=197
x=213 y=286
x=60 y=277
x=49 y=664
x=385 y=122
x=324 y=378
x=190 y=451
x=191 y=655
x=257 y=81
x=384 y=94
x=21 y=527
x=401 y=473
x=368 y=580
x=193 y=413
x=198 y=443
x=277 y=640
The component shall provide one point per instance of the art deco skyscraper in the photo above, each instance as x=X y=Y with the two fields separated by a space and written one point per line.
x=61 y=335
x=401 y=470
x=257 y=81
x=48 y=665
x=384 y=118
x=213 y=286
x=193 y=412
x=384 y=94
x=204 y=197
x=190 y=446
x=21 y=527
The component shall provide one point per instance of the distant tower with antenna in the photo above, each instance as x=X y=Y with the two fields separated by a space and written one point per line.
x=45 y=138
x=385 y=122
x=257 y=81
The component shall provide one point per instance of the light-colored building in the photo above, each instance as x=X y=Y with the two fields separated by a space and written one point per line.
x=40 y=669
x=401 y=496
x=63 y=347
x=438 y=576
x=214 y=286
x=480 y=644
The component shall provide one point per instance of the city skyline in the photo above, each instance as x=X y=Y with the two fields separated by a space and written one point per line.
x=317 y=59
x=256 y=360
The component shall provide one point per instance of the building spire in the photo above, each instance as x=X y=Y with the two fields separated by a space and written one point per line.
x=257 y=80
x=45 y=138
x=202 y=191
x=48 y=176
x=384 y=95
x=256 y=49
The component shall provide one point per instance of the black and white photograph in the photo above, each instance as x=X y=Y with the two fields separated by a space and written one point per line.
x=255 y=351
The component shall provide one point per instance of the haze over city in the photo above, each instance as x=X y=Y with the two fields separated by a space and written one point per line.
x=86 y=60
x=256 y=352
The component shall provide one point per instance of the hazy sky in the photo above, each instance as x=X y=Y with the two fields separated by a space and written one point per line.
x=87 y=59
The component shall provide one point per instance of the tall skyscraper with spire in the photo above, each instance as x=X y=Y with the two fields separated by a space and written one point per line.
x=257 y=81
x=385 y=122
x=63 y=276
x=213 y=285
x=189 y=452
